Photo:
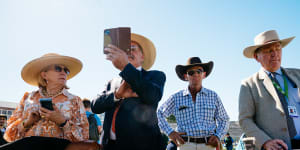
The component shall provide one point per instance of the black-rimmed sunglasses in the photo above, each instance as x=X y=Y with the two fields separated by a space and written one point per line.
x=191 y=72
x=59 y=69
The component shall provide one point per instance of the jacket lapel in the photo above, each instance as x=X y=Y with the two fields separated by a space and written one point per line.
x=270 y=88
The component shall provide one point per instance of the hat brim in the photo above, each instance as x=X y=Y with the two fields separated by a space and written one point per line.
x=181 y=69
x=249 y=51
x=31 y=70
x=148 y=47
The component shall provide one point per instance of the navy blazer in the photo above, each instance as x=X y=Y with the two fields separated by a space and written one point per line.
x=136 y=121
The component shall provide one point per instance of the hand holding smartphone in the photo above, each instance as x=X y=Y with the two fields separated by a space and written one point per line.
x=46 y=103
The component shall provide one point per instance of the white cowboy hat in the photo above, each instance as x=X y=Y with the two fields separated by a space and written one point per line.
x=32 y=69
x=148 y=49
x=265 y=38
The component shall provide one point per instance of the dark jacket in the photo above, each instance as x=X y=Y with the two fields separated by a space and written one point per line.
x=2 y=141
x=136 y=121
x=37 y=143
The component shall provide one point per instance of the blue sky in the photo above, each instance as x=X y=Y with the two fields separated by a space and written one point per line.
x=212 y=30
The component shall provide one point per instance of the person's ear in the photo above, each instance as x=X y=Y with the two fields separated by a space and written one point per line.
x=43 y=75
x=185 y=77
x=256 y=57
x=203 y=74
x=143 y=57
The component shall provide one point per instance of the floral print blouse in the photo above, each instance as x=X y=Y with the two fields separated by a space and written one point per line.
x=75 y=129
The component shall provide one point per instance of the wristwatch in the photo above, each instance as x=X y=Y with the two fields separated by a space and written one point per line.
x=63 y=124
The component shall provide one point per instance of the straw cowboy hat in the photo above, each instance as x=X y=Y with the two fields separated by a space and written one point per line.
x=148 y=49
x=193 y=61
x=265 y=38
x=32 y=69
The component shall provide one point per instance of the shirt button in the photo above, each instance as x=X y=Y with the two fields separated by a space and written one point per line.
x=284 y=129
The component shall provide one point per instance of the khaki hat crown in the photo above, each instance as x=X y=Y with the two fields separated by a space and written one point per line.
x=266 y=37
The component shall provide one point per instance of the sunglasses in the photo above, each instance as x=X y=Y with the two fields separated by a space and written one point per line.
x=59 y=69
x=191 y=72
x=133 y=47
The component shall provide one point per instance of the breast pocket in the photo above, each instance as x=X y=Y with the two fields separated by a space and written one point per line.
x=207 y=112
x=184 y=114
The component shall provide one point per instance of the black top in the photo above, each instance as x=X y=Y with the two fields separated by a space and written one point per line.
x=36 y=143
x=136 y=121
x=2 y=141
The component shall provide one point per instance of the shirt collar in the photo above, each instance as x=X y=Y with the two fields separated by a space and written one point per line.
x=139 y=68
x=88 y=113
x=187 y=91
x=278 y=71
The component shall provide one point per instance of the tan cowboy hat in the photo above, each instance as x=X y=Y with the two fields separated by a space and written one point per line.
x=193 y=61
x=265 y=38
x=32 y=69
x=148 y=50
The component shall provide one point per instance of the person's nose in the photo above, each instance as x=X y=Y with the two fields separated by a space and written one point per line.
x=62 y=72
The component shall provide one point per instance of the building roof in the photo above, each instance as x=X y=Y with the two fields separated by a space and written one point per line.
x=7 y=104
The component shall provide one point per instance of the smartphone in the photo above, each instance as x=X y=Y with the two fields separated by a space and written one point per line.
x=46 y=103
x=120 y=37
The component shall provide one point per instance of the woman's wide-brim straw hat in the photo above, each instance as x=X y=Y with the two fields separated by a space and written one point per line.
x=32 y=69
x=148 y=49
x=265 y=38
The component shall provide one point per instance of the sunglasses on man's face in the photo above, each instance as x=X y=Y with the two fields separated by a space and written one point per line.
x=59 y=69
x=192 y=72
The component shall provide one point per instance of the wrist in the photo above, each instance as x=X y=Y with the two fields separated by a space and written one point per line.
x=63 y=123
x=217 y=137
x=124 y=65
x=26 y=124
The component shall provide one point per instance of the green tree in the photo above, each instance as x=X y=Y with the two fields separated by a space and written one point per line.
x=171 y=119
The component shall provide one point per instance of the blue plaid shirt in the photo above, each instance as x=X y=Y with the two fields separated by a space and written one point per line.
x=205 y=117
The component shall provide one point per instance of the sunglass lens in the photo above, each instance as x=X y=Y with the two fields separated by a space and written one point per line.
x=191 y=72
x=199 y=71
x=67 y=71
x=58 y=68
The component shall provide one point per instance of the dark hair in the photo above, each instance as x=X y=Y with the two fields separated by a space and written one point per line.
x=86 y=103
x=3 y=116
